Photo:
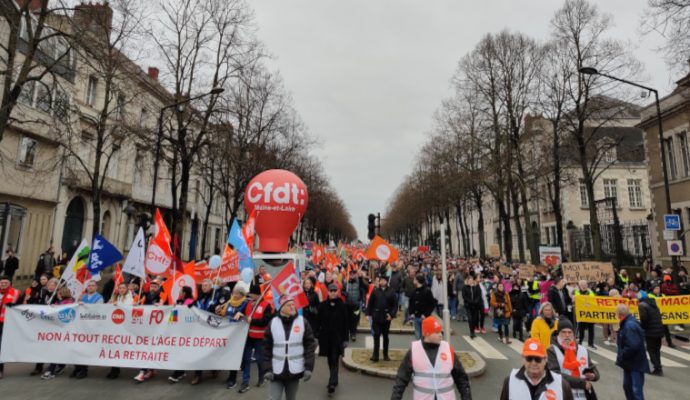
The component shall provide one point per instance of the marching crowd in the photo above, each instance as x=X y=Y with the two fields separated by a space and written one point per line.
x=283 y=340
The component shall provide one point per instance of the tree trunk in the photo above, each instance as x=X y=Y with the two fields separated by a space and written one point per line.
x=518 y=224
x=467 y=229
x=480 y=222
x=448 y=231
x=461 y=229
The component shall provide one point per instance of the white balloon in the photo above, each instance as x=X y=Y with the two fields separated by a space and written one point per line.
x=247 y=275
x=214 y=262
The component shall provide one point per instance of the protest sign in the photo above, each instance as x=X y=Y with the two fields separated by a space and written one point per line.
x=550 y=255
x=494 y=250
x=602 y=310
x=177 y=338
x=587 y=270
x=527 y=271
x=505 y=270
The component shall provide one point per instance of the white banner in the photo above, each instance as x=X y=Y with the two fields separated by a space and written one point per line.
x=178 y=338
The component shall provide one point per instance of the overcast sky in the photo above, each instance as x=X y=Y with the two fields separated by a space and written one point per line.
x=367 y=75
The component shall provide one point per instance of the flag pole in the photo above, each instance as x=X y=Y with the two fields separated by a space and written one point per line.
x=268 y=287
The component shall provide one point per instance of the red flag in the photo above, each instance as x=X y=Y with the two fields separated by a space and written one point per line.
x=248 y=232
x=317 y=254
x=287 y=282
x=177 y=264
x=117 y=275
x=162 y=233
x=379 y=249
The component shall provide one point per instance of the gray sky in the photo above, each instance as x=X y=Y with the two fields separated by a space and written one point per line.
x=367 y=75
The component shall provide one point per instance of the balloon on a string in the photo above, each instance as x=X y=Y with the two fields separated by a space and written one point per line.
x=247 y=275
x=214 y=262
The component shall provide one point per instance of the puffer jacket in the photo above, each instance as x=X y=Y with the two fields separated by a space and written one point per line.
x=650 y=318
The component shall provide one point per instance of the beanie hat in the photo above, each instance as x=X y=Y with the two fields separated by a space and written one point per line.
x=564 y=323
x=284 y=299
x=430 y=326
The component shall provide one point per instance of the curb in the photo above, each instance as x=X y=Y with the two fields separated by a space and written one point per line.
x=402 y=331
x=477 y=370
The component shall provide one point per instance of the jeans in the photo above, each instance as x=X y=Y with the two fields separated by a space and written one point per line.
x=255 y=345
x=418 y=328
x=453 y=305
x=654 y=350
x=289 y=387
x=405 y=305
x=439 y=310
x=633 y=382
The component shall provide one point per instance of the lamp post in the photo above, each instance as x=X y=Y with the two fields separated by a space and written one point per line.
x=159 y=139
x=667 y=192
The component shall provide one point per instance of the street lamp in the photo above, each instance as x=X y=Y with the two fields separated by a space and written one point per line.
x=159 y=139
x=667 y=192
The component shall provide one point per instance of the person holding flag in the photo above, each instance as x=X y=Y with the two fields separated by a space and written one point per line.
x=289 y=347
x=153 y=297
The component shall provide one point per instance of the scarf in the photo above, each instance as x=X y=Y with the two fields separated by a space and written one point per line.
x=570 y=361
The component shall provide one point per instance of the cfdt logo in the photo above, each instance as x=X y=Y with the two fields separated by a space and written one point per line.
x=67 y=315
x=118 y=316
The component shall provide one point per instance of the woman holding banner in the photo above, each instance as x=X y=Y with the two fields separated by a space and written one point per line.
x=206 y=301
x=64 y=297
x=122 y=297
x=186 y=298
x=235 y=310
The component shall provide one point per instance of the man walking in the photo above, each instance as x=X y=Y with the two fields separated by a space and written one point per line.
x=650 y=320
x=422 y=304
x=572 y=361
x=289 y=347
x=381 y=308
x=584 y=290
x=259 y=312
x=631 y=354
x=333 y=332
x=432 y=379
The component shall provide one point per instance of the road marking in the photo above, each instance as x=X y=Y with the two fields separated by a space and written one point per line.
x=369 y=342
x=665 y=362
x=675 y=353
x=484 y=348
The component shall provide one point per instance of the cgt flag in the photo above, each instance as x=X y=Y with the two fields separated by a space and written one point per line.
x=287 y=282
x=381 y=250
x=248 y=232
x=103 y=254
x=236 y=240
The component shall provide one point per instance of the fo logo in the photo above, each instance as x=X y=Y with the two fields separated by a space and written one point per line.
x=67 y=315
x=296 y=329
x=118 y=316
x=444 y=356
x=383 y=252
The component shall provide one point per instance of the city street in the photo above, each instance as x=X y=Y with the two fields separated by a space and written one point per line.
x=500 y=358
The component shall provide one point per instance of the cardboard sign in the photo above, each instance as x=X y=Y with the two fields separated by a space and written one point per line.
x=505 y=270
x=550 y=255
x=494 y=250
x=587 y=270
x=527 y=271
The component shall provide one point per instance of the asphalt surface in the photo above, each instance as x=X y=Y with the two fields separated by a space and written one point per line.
x=500 y=358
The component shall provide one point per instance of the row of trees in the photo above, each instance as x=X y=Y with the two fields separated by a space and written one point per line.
x=522 y=123
x=218 y=141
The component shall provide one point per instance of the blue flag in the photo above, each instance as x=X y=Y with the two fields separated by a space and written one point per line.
x=103 y=254
x=236 y=240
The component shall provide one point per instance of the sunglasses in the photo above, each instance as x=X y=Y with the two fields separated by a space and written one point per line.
x=534 y=359
x=333 y=291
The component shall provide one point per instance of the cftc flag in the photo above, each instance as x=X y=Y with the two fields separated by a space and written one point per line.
x=103 y=254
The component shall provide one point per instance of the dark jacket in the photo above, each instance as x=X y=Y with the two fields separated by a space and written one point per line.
x=539 y=389
x=395 y=281
x=553 y=365
x=11 y=266
x=44 y=265
x=559 y=306
x=308 y=341
x=519 y=301
x=405 y=371
x=422 y=302
x=631 y=349
x=408 y=287
x=472 y=296
x=207 y=301
x=650 y=318
x=381 y=304
x=333 y=329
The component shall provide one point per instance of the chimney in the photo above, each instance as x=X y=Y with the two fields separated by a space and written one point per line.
x=96 y=18
x=153 y=73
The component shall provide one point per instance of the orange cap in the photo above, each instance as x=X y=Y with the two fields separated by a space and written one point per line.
x=533 y=347
x=667 y=278
x=430 y=326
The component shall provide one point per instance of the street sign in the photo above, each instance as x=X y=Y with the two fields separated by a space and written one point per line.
x=669 y=235
x=675 y=247
x=672 y=222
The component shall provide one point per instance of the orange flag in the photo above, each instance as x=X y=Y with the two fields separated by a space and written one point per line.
x=318 y=254
x=379 y=249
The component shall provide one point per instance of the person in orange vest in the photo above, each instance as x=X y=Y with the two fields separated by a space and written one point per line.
x=9 y=297
x=259 y=313
x=435 y=380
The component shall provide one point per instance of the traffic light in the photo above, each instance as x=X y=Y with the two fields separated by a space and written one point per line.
x=371 y=226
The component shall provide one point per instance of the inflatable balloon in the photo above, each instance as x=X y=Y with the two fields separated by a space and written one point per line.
x=247 y=275
x=279 y=199
x=214 y=262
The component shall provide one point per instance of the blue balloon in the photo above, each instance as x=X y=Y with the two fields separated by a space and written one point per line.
x=247 y=275
x=214 y=262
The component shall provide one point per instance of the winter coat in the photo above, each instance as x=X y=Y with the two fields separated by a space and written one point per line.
x=542 y=330
x=632 y=355
x=333 y=329
x=650 y=318
x=381 y=304
x=308 y=342
x=554 y=366
x=437 y=289
x=405 y=371
x=472 y=297
x=519 y=301
x=422 y=302
x=498 y=303
x=395 y=281
x=408 y=286
x=559 y=306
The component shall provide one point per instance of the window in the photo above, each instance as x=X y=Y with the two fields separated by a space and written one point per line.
x=635 y=193
x=120 y=108
x=12 y=223
x=609 y=156
x=143 y=117
x=92 y=91
x=670 y=158
x=43 y=98
x=684 y=154
x=138 y=166
x=610 y=189
x=61 y=104
x=27 y=151
x=26 y=96
x=584 y=200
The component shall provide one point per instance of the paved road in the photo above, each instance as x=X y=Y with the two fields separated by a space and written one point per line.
x=500 y=358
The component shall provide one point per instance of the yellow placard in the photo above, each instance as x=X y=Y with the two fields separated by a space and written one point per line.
x=602 y=310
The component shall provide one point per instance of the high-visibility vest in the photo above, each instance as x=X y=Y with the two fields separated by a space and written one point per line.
x=625 y=280
x=579 y=293
x=432 y=382
x=582 y=357
x=258 y=332
x=518 y=390
x=535 y=287
x=11 y=297
x=290 y=349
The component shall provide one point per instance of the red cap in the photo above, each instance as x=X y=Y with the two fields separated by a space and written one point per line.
x=667 y=278
x=430 y=326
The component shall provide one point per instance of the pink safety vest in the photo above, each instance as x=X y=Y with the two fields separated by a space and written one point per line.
x=432 y=380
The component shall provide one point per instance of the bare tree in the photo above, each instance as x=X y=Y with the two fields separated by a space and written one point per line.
x=670 y=19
